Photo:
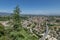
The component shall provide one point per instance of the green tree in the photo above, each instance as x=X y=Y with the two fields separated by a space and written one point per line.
x=17 y=32
x=16 y=20
x=1 y=30
x=16 y=15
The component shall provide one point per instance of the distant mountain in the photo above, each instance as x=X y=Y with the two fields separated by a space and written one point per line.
x=8 y=14
x=39 y=15
x=5 y=14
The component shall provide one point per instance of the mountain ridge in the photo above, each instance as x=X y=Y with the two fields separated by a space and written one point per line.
x=8 y=14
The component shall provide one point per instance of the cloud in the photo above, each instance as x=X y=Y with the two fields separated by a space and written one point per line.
x=6 y=11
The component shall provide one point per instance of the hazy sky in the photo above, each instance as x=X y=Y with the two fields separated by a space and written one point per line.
x=45 y=7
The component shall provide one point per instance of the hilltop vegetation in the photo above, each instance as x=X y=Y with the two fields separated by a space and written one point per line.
x=15 y=32
x=28 y=27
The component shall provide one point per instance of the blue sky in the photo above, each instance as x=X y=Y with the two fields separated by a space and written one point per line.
x=45 y=7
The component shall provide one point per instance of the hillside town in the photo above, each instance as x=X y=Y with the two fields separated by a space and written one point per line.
x=37 y=25
x=29 y=19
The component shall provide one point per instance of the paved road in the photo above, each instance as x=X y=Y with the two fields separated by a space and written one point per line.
x=46 y=33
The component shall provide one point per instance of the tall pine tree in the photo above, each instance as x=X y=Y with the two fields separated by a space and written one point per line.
x=16 y=18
